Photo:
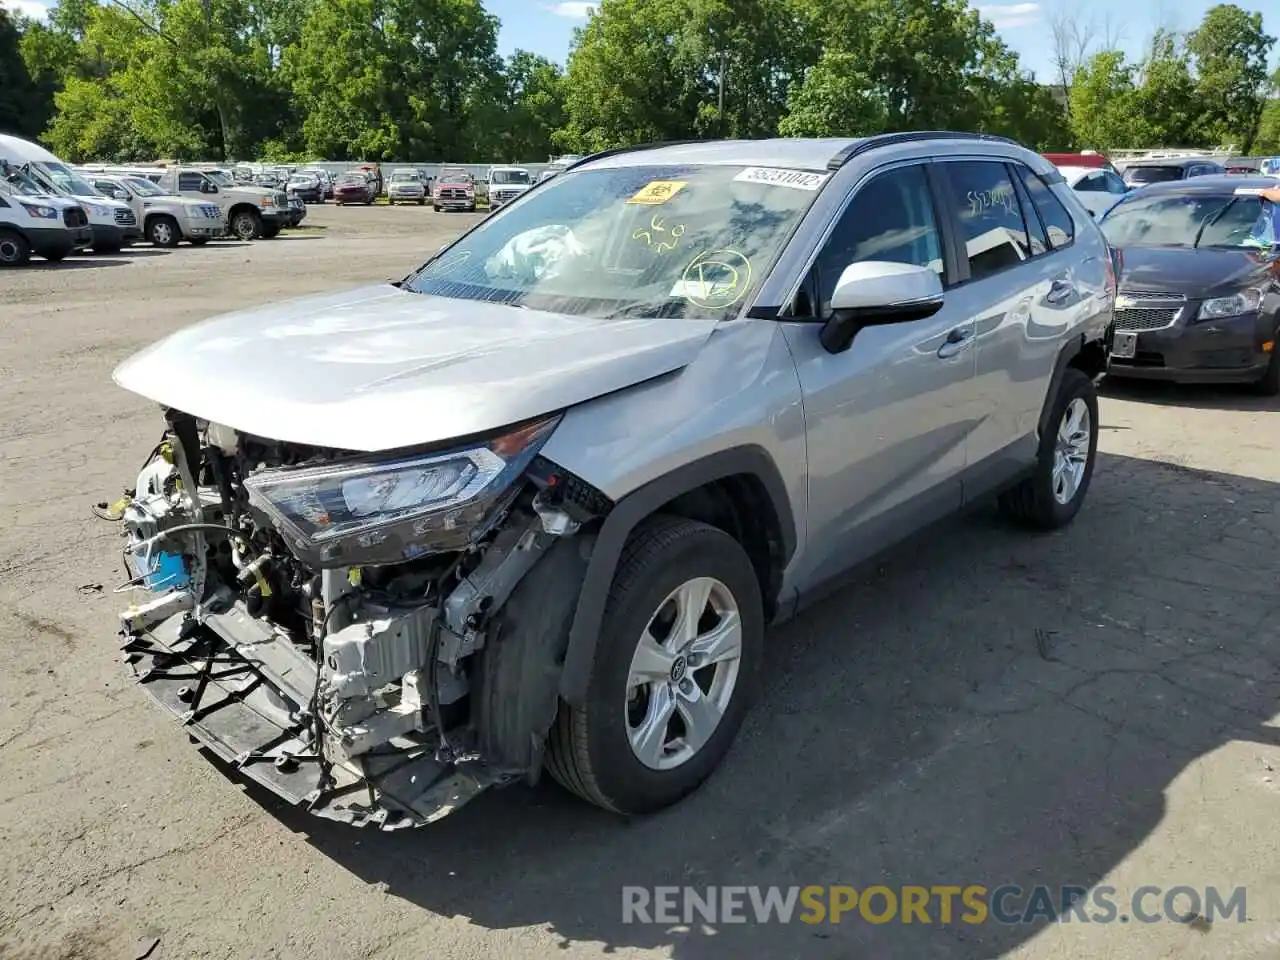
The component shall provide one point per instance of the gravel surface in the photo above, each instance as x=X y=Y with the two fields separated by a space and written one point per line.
x=1095 y=706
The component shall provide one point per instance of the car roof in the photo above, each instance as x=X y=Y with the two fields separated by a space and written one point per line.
x=804 y=153
x=1225 y=184
x=1172 y=162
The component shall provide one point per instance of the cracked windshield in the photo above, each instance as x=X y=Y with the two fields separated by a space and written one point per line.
x=635 y=241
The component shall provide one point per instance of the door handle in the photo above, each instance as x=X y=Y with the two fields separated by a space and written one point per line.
x=958 y=340
x=1060 y=291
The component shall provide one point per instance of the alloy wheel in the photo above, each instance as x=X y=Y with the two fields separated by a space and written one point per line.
x=683 y=673
x=9 y=250
x=1071 y=451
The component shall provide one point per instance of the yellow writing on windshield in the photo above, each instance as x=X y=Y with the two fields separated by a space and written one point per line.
x=660 y=245
x=658 y=191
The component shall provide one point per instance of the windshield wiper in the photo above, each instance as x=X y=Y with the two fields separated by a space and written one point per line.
x=650 y=311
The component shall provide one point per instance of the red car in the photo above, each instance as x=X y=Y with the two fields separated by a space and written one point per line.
x=354 y=188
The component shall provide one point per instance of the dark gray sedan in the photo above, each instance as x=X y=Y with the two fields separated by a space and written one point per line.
x=1199 y=297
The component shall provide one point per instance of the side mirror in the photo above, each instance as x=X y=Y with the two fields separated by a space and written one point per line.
x=120 y=193
x=207 y=187
x=877 y=292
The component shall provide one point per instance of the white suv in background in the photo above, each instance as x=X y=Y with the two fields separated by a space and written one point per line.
x=165 y=219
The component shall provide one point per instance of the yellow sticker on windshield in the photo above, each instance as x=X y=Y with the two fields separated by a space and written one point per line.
x=659 y=191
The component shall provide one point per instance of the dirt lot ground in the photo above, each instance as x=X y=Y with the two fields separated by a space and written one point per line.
x=1096 y=706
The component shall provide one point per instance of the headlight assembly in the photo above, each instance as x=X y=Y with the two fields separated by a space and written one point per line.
x=44 y=213
x=1246 y=301
x=377 y=510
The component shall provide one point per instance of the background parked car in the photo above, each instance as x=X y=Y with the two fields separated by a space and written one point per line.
x=1097 y=187
x=507 y=183
x=1197 y=298
x=1142 y=172
x=307 y=186
x=354 y=187
x=166 y=218
x=326 y=180
x=32 y=221
x=405 y=186
x=455 y=189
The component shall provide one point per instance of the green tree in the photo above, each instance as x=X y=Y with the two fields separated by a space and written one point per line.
x=1231 y=50
x=902 y=64
x=383 y=79
x=1102 y=102
x=1165 y=111
x=644 y=70
x=532 y=105
x=1269 y=127
x=24 y=106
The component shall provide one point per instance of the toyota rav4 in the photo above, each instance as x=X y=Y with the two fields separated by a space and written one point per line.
x=532 y=507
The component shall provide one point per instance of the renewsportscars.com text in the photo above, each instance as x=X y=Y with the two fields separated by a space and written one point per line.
x=939 y=903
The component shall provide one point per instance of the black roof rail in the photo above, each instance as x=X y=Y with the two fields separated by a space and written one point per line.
x=907 y=136
x=614 y=151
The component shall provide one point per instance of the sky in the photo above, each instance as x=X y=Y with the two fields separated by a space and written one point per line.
x=546 y=26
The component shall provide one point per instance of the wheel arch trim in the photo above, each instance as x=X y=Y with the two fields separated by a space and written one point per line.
x=584 y=634
x=1070 y=350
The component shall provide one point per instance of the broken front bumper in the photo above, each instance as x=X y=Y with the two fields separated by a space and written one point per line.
x=242 y=691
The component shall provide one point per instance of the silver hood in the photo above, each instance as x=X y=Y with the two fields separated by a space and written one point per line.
x=378 y=367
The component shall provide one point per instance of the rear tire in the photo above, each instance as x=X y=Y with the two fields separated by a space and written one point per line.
x=1052 y=496
x=644 y=739
x=271 y=232
x=198 y=241
x=56 y=257
x=107 y=248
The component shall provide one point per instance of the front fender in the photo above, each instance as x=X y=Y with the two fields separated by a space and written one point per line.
x=584 y=634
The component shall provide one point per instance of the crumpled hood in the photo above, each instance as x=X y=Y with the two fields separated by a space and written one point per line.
x=378 y=367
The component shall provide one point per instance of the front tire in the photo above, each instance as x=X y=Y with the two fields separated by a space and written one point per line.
x=14 y=249
x=163 y=232
x=271 y=232
x=679 y=653
x=1269 y=383
x=1052 y=496
x=246 y=225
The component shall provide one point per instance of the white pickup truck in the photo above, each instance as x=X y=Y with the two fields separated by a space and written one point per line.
x=165 y=219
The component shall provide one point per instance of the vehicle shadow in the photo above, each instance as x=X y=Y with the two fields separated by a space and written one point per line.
x=77 y=263
x=1200 y=396
x=982 y=706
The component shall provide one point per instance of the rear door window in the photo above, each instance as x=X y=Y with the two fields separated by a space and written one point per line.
x=992 y=227
x=1055 y=217
x=190 y=182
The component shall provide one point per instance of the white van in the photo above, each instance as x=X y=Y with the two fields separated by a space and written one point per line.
x=113 y=222
x=32 y=222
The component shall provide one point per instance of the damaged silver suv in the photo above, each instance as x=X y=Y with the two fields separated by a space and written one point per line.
x=533 y=507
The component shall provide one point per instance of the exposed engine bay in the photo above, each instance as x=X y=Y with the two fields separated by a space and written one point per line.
x=319 y=618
